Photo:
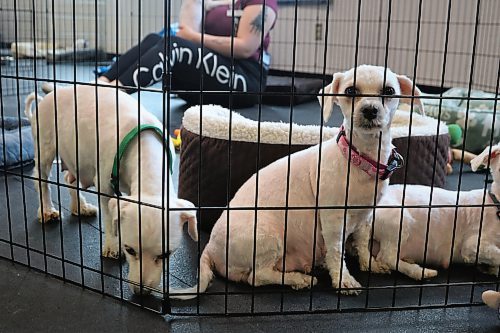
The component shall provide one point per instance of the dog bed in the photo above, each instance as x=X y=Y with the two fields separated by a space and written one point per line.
x=14 y=157
x=214 y=157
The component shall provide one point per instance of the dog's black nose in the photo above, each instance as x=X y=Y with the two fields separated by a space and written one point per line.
x=370 y=112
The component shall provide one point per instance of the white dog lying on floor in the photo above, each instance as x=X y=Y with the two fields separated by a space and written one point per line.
x=371 y=123
x=440 y=229
x=145 y=185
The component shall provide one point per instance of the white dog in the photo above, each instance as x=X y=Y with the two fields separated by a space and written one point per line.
x=371 y=120
x=440 y=227
x=146 y=184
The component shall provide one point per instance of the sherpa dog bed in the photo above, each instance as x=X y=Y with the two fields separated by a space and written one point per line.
x=14 y=157
x=212 y=190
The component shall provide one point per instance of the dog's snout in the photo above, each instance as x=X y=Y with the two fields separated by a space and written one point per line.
x=370 y=112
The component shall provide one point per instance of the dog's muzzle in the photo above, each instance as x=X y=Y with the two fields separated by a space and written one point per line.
x=369 y=112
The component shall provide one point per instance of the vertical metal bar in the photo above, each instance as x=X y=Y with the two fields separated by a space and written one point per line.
x=342 y=253
x=23 y=190
x=117 y=111
x=167 y=86
x=287 y=192
x=256 y=210
x=417 y=42
x=6 y=175
x=75 y=100
x=44 y=243
x=230 y=132
x=375 y=200
x=478 y=4
x=141 y=284
x=56 y=128
x=98 y=145
x=320 y=149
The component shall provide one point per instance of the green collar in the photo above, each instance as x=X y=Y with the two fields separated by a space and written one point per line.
x=124 y=145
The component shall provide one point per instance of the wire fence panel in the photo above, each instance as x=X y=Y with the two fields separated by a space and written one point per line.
x=274 y=204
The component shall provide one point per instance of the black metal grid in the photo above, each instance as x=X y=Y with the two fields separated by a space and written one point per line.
x=20 y=79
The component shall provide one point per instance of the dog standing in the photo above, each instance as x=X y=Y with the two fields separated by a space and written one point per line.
x=371 y=120
x=440 y=227
x=146 y=184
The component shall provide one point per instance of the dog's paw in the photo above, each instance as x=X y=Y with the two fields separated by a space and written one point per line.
x=49 y=215
x=349 y=286
x=428 y=273
x=85 y=210
x=304 y=281
x=380 y=267
x=111 y=250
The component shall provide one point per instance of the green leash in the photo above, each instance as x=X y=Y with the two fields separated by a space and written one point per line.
x=124 y=145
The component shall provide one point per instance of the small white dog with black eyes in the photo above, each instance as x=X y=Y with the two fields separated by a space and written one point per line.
x=123 y=168
x=439 y=225
x=370 y=126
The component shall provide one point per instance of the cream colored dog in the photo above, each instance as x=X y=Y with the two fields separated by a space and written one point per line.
x=145 y=185
x=368 y=120
x=440 y=228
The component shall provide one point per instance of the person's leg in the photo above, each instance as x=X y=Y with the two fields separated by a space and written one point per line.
x=186 y=62
x=130 y=57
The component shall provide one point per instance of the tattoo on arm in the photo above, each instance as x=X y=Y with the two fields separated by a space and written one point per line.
x=257 y=23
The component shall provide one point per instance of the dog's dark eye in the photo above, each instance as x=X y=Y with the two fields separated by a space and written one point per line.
x=350 y=91
x=162 y=256
x=388 y=91
x=130 y=251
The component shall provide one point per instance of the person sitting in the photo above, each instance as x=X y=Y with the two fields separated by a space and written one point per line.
x=226 y=63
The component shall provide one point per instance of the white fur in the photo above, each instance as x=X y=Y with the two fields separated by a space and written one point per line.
x=440 y=229
x=150 y=161
x=303 y=192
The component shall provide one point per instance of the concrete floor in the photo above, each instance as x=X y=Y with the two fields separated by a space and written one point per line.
x=62 y=306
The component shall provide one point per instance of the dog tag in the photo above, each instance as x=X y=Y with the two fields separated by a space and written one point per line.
x=237 y=12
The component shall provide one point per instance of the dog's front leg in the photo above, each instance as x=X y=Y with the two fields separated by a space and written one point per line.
x=332 y=232
x=110 y=248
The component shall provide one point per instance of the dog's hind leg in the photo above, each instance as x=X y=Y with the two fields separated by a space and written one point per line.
x=86 y=209
x=269 y=275
x=45 y=153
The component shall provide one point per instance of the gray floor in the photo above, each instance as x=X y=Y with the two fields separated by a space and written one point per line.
x=35 y=301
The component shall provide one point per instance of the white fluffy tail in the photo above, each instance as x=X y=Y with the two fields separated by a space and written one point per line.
x=29 y=102
x=206 y=276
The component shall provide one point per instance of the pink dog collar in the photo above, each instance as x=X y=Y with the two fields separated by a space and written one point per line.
x=365 y=163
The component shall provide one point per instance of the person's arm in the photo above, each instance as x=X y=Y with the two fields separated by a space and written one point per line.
x=190 y=14
x=248 y=36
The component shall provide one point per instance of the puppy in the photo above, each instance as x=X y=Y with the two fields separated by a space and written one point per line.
x=367 y=121
x=440 y=227
x=145 y=185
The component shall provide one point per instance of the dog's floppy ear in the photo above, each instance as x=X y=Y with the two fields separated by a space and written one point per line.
x=332 y=88
x=113 y=209
x=406 y=86
x=189 y=216
x=482 y=159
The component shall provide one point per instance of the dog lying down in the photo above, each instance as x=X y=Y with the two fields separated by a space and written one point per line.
x=145 y=185
x=440 y=228
x=371 y=121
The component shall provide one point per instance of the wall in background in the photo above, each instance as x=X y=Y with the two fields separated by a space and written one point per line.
x=314 y=33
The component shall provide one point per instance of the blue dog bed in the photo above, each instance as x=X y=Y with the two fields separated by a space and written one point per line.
x=10 y=141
